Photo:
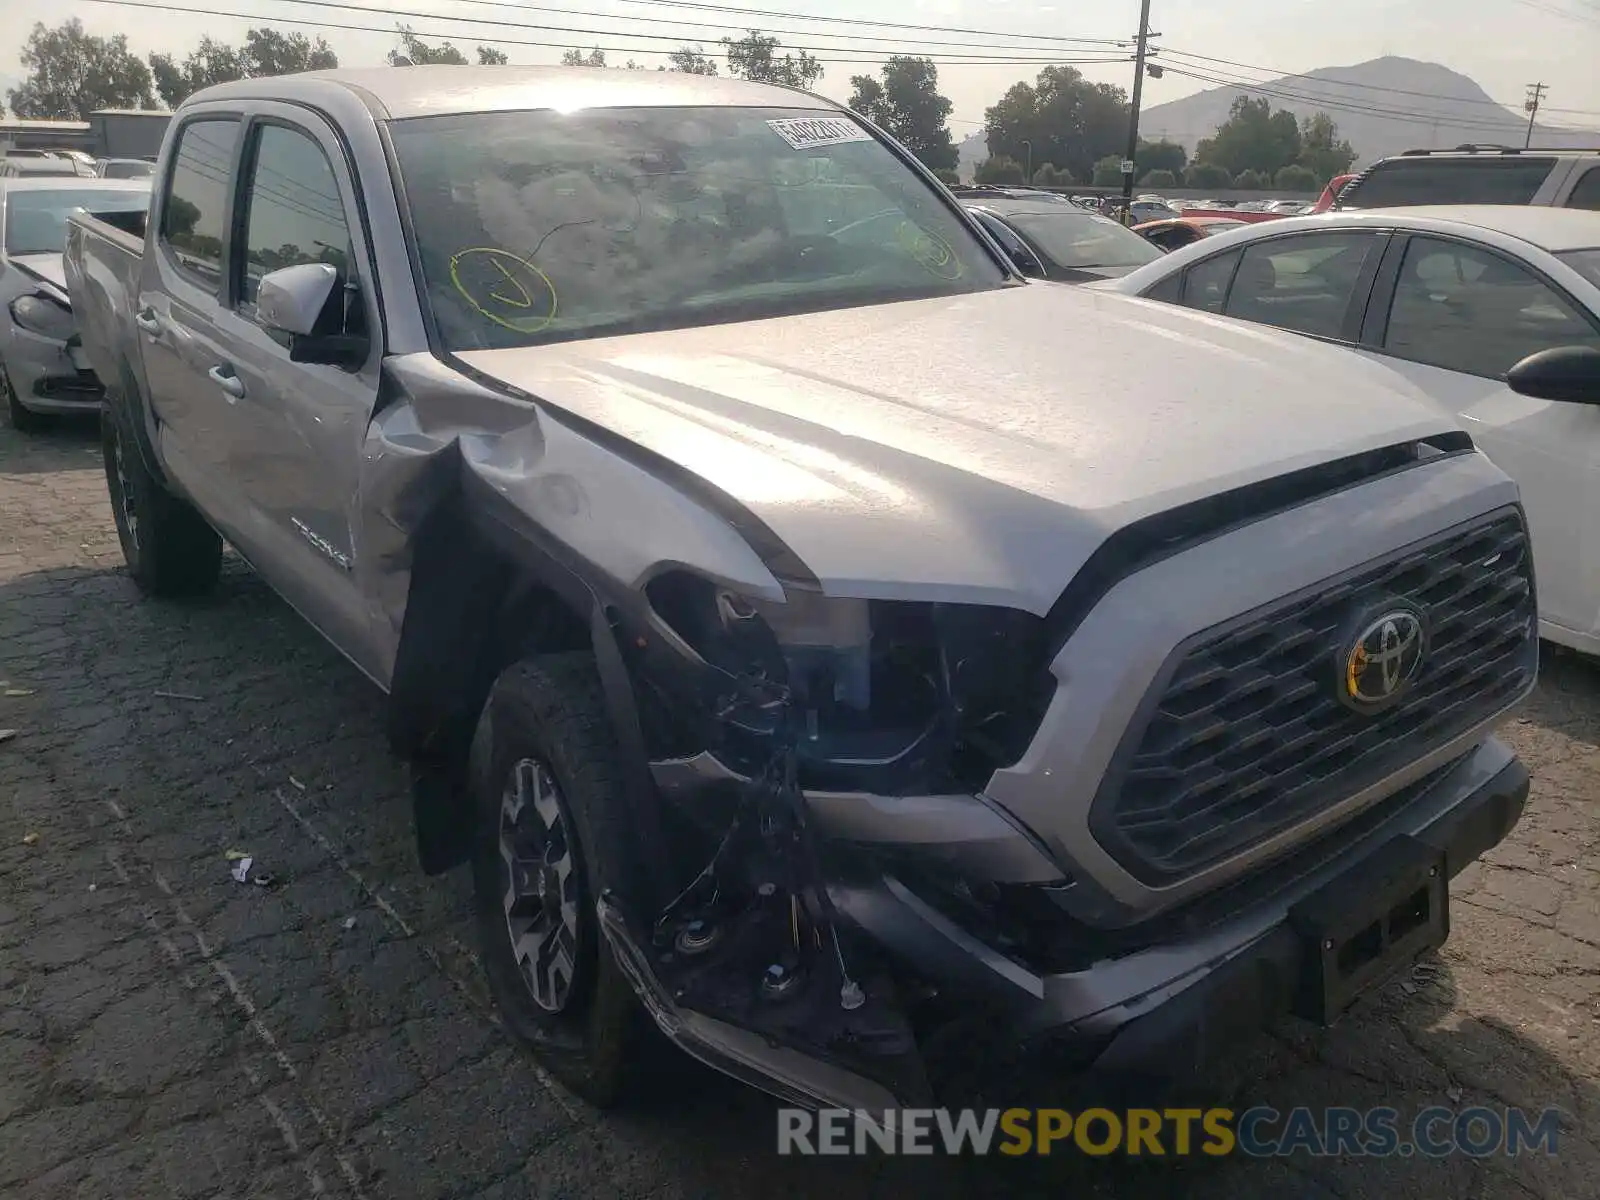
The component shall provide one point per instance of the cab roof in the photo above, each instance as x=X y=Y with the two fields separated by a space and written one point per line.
x=396 y=93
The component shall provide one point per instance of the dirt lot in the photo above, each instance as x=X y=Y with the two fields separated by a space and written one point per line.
x=164 y=1031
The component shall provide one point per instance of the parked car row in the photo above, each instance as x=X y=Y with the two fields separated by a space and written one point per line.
x=820 y=639
x=26 y=164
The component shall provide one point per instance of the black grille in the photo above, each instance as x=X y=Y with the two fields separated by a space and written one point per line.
x=1244 y=735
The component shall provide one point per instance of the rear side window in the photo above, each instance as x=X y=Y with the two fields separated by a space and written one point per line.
x=195 y=212
x=1300 y=283
x=1587 y=193
x=1509 y=179
x=1205 y=286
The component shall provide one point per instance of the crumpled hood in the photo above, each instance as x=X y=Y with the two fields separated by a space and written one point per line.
x=975 y=448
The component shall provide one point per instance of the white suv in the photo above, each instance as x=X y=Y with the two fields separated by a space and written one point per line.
x=1478 y=175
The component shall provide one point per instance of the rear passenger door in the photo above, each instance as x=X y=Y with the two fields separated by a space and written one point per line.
x=1453 y=316
x=297 y=428
x=179 y=304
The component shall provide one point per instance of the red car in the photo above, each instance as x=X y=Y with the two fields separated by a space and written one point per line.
x=1178 y=232
x=1330 y=193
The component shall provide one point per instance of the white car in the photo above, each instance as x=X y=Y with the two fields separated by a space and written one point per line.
x=1451 y=298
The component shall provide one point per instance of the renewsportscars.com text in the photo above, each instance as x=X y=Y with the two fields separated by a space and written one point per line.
x=1260 y=1132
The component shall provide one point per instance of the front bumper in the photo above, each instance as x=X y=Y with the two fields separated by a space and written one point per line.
x=1166 y=999
x=50 y=376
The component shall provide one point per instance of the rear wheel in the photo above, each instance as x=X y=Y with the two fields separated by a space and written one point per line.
x=23 y=420
x=550 y=837
x=169 y=548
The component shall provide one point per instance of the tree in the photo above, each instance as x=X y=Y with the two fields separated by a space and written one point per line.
x=577 y=58
x=908 y=105
x=1207 y=175
x=948 y=177
x=488 y=56
x=269 y=52
x=1253 y=138
x=1295 y=178
x=754 y=56
x=265 y=52
x=1162 y=156
x=1045 y=176
x=1322 y=150
x=1108 y=171
x=414 y=52
x=1250 y=181
x=691 y=60
x=70 y=74
x=999 y=169
x=1063 y=117
x=1160 y=177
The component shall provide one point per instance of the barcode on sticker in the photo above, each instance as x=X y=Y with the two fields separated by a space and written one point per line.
x=805 y=132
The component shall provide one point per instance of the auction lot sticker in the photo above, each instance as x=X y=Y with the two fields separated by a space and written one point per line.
x=805 y=132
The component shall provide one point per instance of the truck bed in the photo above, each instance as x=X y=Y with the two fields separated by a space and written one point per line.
x=104 y=255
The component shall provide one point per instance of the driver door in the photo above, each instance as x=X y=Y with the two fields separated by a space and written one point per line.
x=297 y=428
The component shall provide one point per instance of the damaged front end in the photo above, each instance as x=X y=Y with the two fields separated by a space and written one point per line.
x=824 y=751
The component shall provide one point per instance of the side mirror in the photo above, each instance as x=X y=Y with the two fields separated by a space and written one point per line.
x=1567 y=373
x=290 y=300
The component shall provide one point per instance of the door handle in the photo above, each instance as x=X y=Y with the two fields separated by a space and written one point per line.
x=231 y=384
x=148 y=321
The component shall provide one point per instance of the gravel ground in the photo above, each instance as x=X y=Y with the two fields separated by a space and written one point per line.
x=164 y=1031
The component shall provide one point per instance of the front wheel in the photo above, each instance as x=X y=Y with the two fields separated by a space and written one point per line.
x=23 y=420
x=550 y=836
x=169 y=548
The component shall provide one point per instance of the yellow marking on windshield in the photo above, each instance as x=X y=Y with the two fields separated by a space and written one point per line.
x=491 y=280
x=930 y=251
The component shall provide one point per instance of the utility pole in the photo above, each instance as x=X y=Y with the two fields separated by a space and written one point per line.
x=1535 y=94
x=1133 y=115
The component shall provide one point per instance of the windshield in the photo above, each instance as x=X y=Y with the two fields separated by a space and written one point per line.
x=1078 y=239
x=36 y=219
x=1585 y=262
x=542 y=226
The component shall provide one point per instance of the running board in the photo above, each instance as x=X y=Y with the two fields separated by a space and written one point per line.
x=795 y=1078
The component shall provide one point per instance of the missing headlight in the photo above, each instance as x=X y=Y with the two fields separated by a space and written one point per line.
x=883 y=696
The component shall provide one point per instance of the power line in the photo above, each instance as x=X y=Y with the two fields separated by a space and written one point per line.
x=766 y=12
x=1535 y=94
x=501 y=23
x=1367 y=87
x=865 y=57
x=680 y=22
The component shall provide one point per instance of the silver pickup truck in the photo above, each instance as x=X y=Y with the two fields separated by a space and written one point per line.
x=876 y=668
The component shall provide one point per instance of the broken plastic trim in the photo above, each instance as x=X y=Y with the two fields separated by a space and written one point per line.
x=789 y=1075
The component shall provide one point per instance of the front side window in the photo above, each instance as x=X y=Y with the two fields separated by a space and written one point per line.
x=36 y=219
x=294 y=215
x=545 y=226
x=1300 y=283
x=195 y=212
x=1464 y=308
x=1205 y=285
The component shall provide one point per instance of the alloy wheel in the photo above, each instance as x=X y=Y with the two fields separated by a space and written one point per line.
x=541 y=884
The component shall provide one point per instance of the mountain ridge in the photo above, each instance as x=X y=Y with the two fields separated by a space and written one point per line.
x=1382 y=106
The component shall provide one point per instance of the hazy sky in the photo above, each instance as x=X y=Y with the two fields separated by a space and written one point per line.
x=1503 y=44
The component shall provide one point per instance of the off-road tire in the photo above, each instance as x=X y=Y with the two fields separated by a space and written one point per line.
x=23 y=420
x=551 y=709
x=169 y=548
